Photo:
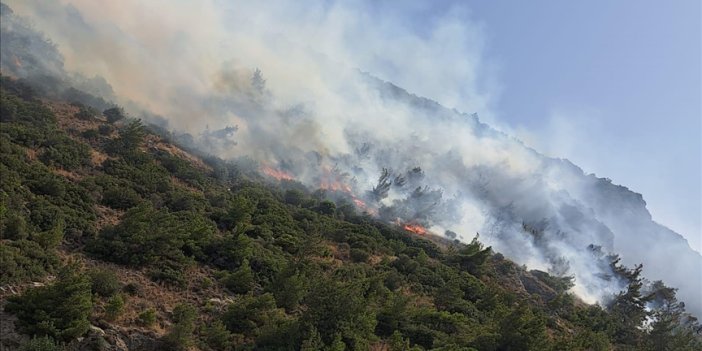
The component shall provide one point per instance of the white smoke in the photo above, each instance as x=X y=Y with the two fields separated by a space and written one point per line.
x=316 y=114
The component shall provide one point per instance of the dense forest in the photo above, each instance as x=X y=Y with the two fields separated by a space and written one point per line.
x=116 y=238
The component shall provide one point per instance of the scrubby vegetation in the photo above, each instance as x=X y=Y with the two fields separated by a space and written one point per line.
x=292 y=269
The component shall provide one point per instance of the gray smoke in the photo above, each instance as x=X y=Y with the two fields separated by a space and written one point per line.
x=282 y=84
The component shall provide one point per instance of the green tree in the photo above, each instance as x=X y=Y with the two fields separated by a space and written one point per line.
x=51 y=238
x=104 y=282
x=181 y=335
x=294 y=197
x=216 y=336
x=289 y=288
x=147 y=236
x=242 y=280
x=148 y=317
x=672 y=328
x=114 y=307
x=313 y=342
x=337 y=309
x=15 y=227
x=397 y=342
x=59 y=310
x=249 y=313
x=628 y=308
x=326 y=207
x=522 y=329
x=472 y=257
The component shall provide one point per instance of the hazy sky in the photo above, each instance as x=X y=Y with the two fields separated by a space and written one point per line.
x=614 y=86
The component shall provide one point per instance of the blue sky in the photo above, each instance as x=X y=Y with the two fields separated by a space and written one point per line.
x=613 y=86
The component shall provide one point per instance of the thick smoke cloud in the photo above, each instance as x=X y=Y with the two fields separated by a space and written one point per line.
x=310 y=113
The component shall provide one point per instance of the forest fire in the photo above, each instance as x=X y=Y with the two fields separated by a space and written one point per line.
x=332 y=180
x=276 y=173
x=414 y=228
x=359 y=203
x=335 y=186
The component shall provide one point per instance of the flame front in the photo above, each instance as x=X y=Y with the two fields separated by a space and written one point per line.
x=335 y=186
x=359 y=203
x=415 y=228
x=276 y=173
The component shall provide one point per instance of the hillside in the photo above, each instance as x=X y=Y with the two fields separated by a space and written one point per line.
x=318 y=208
x=114 y=238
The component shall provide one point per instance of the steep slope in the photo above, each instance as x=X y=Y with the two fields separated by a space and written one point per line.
x=407 y=159
x=341 y=192
x=149 y=246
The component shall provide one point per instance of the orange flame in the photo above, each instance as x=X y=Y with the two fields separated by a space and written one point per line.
x=415 y=228
x=276 y=173
x=18 y=63
x=335 y=186
x=359 y=203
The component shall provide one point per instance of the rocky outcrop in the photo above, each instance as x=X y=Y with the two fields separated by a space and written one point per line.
x=112 y=339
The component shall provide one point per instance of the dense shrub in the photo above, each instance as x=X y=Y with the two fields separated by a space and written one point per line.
x=59 y=310
x=104 y=282
x=147 y=236
x=114 y=114
x=43 y=343
x=180 y=337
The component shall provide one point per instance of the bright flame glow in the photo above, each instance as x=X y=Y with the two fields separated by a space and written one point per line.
x=276 y=173
x=415 y=228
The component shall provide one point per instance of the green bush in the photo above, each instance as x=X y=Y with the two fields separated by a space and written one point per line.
x=59 y=310
x=148 y=317
x=133 y=289
x=241 y=280
x=64 y=152
x=169 y=274
x=120 y=198
x=148 y=236
x=114 y=114
x=104 y=282
x=15 y=227
x=105 y=129
x=43 y=343
x=24 y=260
x=91 y=134
x=216 y=336
x=180 y=337
x=359 y=255
x=85 y=113
x=114 y=307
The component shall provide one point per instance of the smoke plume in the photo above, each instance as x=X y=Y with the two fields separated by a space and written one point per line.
x=303 y=89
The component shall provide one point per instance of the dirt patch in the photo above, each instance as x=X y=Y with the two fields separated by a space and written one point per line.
x=180 y=183
x=97 y=157
x=107 y=216
x=67 y=120
x=154 y=142
x=162 y=298
x=72 y=176
x=9 y=338
x=31 y=154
